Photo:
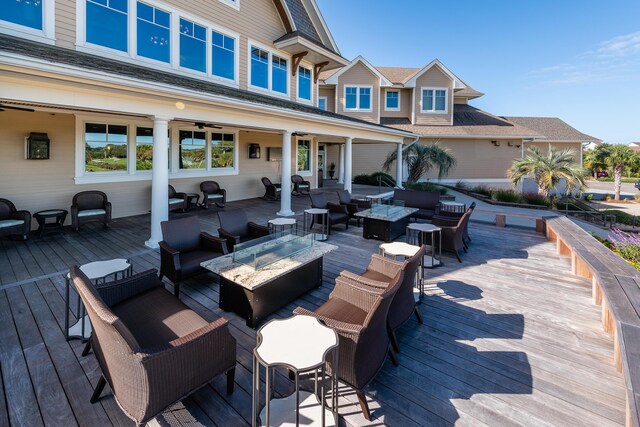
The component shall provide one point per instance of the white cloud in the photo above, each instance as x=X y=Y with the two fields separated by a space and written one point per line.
x=620 y=46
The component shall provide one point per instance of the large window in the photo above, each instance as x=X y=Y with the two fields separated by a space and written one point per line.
x=322 y=103
x=193 y=146
x=434 y=100
x=222 y=150
x=357 y=98
x=144 y=149
x=154 y=33
x=259 y=68
x=304 y=83
x=105 y=148
x=392 y=100
x=193 y=46
x=304 y=155
x=279 y=74
x=106 y=23
x=223 y=55
x=28 y=13
x=268 y=71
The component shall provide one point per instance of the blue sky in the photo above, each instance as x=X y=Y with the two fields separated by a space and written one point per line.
x=577 y=60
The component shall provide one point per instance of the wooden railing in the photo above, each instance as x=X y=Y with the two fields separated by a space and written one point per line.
x=616 y=288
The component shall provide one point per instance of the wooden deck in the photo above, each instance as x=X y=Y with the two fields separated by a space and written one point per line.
x=510 y=337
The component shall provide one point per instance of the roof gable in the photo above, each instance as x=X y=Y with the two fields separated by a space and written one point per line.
x=333 y=79
x=457 y=82
x=303 y=17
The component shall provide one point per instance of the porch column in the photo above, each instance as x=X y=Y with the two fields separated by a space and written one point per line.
x=399 y=165
x=341 y=164
x=285 y=180
x=159 y=179
x=348 y=159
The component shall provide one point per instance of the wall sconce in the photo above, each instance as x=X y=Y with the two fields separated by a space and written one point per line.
x=254 y=151
x=509 y=144
x=495 y=143
x=518 y=146
x=36 y=146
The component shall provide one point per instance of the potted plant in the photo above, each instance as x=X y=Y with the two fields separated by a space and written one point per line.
x=332 y=170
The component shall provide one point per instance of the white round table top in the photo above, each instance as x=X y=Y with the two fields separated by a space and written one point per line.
x=299 y=341
x=282 y=221
x=423 y=227
x=452 y=203
x=99 y=269
x=317 y=211
x=400 y=249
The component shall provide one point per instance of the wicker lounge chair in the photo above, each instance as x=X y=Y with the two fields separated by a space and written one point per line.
x=359 y=316
x=300 y=186
x=453 y=232
x=14 y=224
x=213 y=194
x=379 y=274
x=90 y=206
x=353 y=206
x=177 y=201
x=271 y=190
x=184 y=247
x=153 y=350
x=338 y=214
x=236 y=228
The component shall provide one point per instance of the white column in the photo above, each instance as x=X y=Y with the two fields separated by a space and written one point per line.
x=348 y=160
x=285 y=180
x=159 y=179
x=399 y=165
x=341 y=164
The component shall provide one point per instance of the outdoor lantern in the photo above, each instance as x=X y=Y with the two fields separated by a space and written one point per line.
x=37 y=146
x=254 y=151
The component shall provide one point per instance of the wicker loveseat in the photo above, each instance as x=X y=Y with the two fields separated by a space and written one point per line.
x=425 y=201
x=14 y=223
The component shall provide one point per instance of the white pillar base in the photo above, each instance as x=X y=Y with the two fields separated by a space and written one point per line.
x=153 y=244
x=286 y=213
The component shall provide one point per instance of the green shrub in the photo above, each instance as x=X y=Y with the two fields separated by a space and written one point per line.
x=461 y=184
x=610 y=179
x=621 y=216
x=508 y=196
x=372 y=179
x=536 y=199
x=483 y=190
x=425 y=186
x=588 y=197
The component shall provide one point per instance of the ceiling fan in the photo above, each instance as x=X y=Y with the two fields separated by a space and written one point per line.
x=299 y=134
x=10 y=107
x=202 y=125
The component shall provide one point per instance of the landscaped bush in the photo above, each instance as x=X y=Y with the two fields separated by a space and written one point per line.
x=621 y=216
x=372 y=179
x=610 y=179
x=508 y=196
x=461 y=184
x=536 y=199
x=483 y=190
x=425 y=186
x=627 y=245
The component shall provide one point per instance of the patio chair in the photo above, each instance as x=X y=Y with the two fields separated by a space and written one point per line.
x=14 y=224
x=453 y=232
x=90 y=206
x=379 y=274
x=300 y=186
x=271 y=190
x=338 y=214
x=359 y=316
x=236 y=228
x=178 y=201
x=213 y=194
x=353 y=206
x=152 y=349
x=184 y=247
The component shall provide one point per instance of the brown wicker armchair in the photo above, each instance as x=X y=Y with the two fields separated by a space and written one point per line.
x=178 y=201
x=337 y=213
x=90 y=206
x=353 y=206
x=271 y=190
x=236 y=228
x=453 y=232
x=153 y=350
x=300 y=186
x=213 y=194
x=359 y=316
x=404 y=304
x=14 y=223
x=184 y=247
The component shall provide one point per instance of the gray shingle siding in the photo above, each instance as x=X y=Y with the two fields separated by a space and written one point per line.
x=302 y=21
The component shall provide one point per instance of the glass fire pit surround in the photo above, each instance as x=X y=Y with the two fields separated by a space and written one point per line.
x=264 y=251
x=387 y=208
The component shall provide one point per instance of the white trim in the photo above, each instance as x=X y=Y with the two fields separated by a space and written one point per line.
x=310 y=141
x=233 y=3
x=326 y=103
x=413 y=105
x=433 y=105
x=314 y=47
x=457 y=83
x=308 y=67
x=318 y=13
x=386 y=91
x=333 y=79
x=46 y=35
x=268 y=91
x=357 y=109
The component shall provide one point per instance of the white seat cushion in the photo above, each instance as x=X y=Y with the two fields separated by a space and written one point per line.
x=91 y=212
x=10 y=223
x=214 y=196
x=174 y=201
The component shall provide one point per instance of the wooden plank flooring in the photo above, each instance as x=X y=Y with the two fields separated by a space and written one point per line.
x=509 y=338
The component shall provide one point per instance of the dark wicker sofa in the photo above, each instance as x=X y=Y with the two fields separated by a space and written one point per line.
x=425 y=201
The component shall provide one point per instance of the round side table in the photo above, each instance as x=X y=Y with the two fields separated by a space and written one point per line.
x=324 y=214
x=278 y=226
x=404 y=251
x=416 y=235
x=59 y=216
x=302 y=345
x=97 y=272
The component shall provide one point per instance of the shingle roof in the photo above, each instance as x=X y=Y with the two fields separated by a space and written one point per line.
x=303 y=22
x=552 y=128
x=86 y=61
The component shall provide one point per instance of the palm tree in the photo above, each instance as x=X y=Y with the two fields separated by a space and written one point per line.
x=548 y=169
x=421 y=159
x=617 y=156
x=593 y=159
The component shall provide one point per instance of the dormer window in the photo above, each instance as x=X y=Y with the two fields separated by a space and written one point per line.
x=357 y=98
x=434 y=100
x=304 y=84
x=392 y=100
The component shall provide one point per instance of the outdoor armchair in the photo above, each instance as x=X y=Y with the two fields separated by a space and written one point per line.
x=300 y=186
x=359 y=316
x=152 y=349
x=353 y=206
x=213 y=194
x=236 y=228
x=271 y=190
x=14 y=223
x=184 y=247
x=453 y=232
x=90 y=206
x=177 y=201
x=338 y=214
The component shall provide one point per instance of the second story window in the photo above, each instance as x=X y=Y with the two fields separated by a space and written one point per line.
x=259 y=68
x=279 y=74
x=106 y=23
x=268 y=71
x=392 y=100
x=434 y=100
x=154 y=33
x=223 y=54
x=304 y=83
x=322 y=103
x=357 y=98
x=25 y=13
x=193 y=46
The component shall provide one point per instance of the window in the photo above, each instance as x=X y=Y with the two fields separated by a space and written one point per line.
x=304 y=155
x=144 y=149
x=223 y=55
x=259 y=68
x=392 y=100
x=322 y=103
x=28 y=13
x=268 y=71
x=357 y=98
x=106 y=23
x=154 y=33
x=279 y=74
x=193 y=146
x=233 y=3
x=105 y=148
x=222 y=150
x=434 y=100
x=193 y=46
x=304 y=83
